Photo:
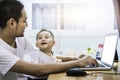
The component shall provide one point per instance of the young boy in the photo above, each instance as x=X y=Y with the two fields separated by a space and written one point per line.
x=45 y=42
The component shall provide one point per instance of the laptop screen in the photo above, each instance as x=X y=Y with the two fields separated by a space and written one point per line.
x=109 y=48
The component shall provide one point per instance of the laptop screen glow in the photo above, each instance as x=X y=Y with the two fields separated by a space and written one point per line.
x=109 y=48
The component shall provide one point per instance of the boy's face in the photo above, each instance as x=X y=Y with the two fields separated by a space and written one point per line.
x=45 y=41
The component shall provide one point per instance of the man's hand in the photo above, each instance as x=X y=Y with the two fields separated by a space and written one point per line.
x=86 y=60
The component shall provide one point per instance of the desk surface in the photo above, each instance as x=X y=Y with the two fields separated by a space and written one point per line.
x=104 y=75
x=93 y=75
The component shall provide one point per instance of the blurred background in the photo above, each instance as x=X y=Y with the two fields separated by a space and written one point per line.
x=76 y=24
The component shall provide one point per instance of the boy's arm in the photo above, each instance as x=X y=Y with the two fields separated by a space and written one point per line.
x=65 y=58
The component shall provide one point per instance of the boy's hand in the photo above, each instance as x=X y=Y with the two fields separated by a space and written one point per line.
x=58 y=60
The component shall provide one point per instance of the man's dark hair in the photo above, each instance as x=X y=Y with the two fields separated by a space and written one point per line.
x=9 y=9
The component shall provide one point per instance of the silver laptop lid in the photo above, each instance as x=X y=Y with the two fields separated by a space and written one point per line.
x=109 y=48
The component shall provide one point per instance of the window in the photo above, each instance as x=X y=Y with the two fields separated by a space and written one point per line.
x=44 y=16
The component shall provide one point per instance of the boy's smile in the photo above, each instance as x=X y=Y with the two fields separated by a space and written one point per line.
x=45 y=41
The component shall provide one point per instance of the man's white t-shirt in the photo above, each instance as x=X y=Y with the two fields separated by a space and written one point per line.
x=9 y=56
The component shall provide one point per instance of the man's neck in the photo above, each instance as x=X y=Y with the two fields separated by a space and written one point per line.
x=8 y=39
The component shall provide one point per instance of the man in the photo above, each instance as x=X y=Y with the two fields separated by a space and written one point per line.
x=13 y=45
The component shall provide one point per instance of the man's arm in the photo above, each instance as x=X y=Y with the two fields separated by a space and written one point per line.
x=42 y=69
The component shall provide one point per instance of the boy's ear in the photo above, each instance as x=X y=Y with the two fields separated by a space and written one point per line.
x=36 y=45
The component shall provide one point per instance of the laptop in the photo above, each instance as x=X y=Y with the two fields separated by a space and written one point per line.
x=108 y=53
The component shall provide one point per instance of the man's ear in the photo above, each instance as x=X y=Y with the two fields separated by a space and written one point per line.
x=12 y=23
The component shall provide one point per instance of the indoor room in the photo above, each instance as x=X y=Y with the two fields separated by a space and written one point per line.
x=59 y=39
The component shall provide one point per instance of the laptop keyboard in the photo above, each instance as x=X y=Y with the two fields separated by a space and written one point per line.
x=101 y=65
x=92 y=65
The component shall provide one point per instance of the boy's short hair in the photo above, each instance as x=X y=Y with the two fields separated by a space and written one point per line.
x=42 y=31
x=9 y=9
